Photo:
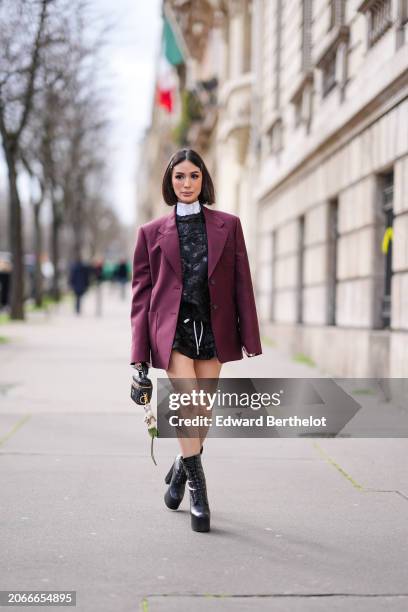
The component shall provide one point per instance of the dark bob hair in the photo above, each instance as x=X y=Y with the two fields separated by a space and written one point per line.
x=207 y=194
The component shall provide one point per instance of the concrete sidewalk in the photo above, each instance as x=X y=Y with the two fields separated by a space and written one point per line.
x=297 y=524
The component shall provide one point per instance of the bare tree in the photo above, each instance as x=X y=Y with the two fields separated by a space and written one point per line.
x=22 y=32
x=104 y=230
x=37 y=199
x=52 y=128
x=76 y=153
x=4 y=234
x=46 y=132
x=94 y=224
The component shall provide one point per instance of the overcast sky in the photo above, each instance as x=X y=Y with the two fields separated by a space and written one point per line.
x=129 y=59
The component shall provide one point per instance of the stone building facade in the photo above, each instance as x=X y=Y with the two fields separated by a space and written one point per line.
x=217 y=36
x=235 y=153
x=331 y=79
x=199 y=38
x=305 y=131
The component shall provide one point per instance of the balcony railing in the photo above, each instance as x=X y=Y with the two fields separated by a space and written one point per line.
x=379 y=15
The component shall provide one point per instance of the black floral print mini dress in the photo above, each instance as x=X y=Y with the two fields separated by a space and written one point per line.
x=194 y=337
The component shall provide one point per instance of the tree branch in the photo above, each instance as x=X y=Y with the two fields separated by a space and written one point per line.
x=8 y=139
x=28 y=97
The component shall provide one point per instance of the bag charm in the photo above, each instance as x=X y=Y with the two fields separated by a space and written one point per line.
x=141 y=393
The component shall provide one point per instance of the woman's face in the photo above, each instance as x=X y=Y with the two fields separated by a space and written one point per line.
x=187 y=179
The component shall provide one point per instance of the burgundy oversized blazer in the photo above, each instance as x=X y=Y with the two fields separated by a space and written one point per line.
x=157 y=289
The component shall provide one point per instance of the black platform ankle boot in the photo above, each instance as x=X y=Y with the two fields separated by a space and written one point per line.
x=176 y=478
x=199 y=508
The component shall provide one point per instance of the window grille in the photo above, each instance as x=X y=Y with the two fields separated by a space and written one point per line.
x=329 y=72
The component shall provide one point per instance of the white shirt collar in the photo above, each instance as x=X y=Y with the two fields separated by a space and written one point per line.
x=188 y=209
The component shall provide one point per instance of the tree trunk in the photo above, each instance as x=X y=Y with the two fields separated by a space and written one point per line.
x=38 y=280
x=16 y=241
x=78 y=223
x=55 y=227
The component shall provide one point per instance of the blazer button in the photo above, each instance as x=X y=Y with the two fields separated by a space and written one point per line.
x=212 y=281
x=215 y=306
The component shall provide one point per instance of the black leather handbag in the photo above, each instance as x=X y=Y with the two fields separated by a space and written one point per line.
x=142 y=387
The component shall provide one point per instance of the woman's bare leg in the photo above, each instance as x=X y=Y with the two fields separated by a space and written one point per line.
x=182 y=367
x=207 y=369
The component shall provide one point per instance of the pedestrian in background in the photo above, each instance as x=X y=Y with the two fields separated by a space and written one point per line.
x=97 y=274
x=122 y=276
x=79 y=281
x=5 y=283
x=193 y=306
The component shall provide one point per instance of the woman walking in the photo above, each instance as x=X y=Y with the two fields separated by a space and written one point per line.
x=193 y=305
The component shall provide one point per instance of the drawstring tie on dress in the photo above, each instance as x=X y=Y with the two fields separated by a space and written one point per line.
x=195 y=334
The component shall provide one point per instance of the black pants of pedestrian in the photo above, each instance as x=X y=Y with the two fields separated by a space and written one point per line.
x=78 y=302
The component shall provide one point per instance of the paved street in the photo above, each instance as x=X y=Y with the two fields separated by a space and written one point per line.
x=297 y=524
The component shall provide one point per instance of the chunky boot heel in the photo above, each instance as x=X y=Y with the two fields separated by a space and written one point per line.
x=201 y=523
x=169 y=475
x=199 y=508
x=167 y=478
x=176 y=479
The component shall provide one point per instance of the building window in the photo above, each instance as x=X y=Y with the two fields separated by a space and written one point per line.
x=332 y=60
x=329 y=72
x=332 y=243
x=274 y=266
x=247 y=42
x=403 y=9
x=336 y=13
x=387 y=198
x=380 y=20
x=278 y=51
x=402 y=19
x=300 y=271
x=379 y=16
x=306 y=34
x=298 y=106
x=332 y=18
x=275 y=137
x=302 y=101
x=301 y=95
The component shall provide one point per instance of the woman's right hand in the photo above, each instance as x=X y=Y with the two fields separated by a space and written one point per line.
x=142 y=366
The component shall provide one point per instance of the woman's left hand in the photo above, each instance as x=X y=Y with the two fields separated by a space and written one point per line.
x=250 y=354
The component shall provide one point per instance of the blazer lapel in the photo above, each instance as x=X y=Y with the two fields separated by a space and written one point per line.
x=217 y=233
x=169 y=243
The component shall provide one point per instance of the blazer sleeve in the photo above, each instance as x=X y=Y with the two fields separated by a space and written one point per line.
x=141 y=291
x=244 y=297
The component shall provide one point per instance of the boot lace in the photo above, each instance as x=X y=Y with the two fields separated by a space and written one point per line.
x=179 y=475
x=197 y=488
